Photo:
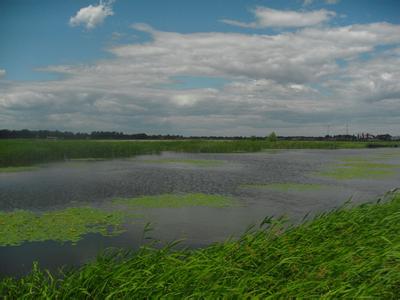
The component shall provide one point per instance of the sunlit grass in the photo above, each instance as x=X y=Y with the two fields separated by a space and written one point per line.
x=176 y=201
x=347 y=253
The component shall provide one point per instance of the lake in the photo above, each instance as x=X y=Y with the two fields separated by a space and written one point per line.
x=272 y=183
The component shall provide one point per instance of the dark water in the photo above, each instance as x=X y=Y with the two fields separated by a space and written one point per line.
x=64 y=184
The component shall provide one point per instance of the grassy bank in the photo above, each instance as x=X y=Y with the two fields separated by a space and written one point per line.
x=28 y=152
x=348 y=253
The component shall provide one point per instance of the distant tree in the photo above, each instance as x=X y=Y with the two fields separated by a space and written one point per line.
x=272 y=137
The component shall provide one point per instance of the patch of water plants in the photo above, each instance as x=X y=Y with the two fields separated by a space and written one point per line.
x=287 y=187
x=175 y=201
x=18 y=169
x=193 y=162
x=346 y=253
x=359 y=168
x=88 y=159
x=69 y=224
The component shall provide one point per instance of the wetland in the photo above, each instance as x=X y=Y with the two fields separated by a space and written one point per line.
x=77 y=208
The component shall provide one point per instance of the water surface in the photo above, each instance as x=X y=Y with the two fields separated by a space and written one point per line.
x=71 y=183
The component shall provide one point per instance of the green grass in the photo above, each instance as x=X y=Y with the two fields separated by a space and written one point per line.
x=22 y=152
x=287 y=187
x=193 y=162
x=175 y=201
x=70 y=224
x=347 y=253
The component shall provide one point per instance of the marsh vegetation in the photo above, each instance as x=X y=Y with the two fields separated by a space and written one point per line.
x=287 y=187
x=204 y=197
x=31 y=151
x=351 y=253
x=71 y=224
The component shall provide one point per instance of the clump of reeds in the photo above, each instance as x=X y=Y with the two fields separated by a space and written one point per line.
x=346 y=253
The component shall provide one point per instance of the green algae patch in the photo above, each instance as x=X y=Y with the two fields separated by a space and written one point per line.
x=372 y=157
x=87 y=159
x=63 y=225
x=356 y=173
x=359 y=170
x=390 y=155
x=287 y=187
x=17 y=169
x=175 y=201
x=193 y=162
x=355 y=159
x=369 y=165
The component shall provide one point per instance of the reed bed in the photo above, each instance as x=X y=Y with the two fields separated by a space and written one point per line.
x=24 y=152
x=351 y=252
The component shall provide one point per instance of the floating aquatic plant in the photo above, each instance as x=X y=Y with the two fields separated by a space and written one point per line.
x=287 y=187
x=69 y=224
x=348 y=253
x=175 y=200
x=360 y=170
x=194 y=162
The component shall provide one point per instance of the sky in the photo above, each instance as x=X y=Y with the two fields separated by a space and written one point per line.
x=210 y=67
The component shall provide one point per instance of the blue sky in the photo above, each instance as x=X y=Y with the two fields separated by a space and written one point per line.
x=42 y=52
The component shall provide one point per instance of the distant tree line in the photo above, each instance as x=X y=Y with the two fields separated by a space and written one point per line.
x=100 y=135
x=114 y=135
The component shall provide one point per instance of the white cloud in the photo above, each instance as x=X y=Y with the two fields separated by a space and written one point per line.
x=116 y=35
x=2 y=72
x=290 y=82
x=268 y=17
x=91 y=16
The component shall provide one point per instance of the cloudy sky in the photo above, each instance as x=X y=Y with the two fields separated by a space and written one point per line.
x=210 y=67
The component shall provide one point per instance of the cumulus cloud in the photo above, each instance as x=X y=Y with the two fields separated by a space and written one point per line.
x=2 y=72
x=290 y=82
x=92 y=16
x=268 y=17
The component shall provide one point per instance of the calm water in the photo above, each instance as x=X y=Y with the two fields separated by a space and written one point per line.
x=65 y=184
